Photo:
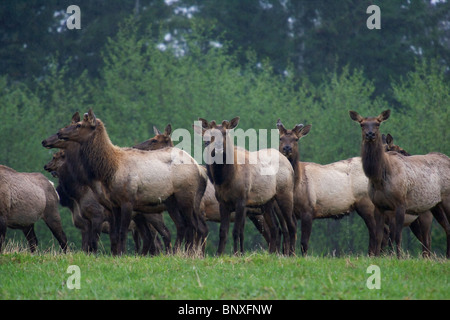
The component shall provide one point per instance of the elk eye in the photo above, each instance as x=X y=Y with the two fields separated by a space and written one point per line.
x=78 y=125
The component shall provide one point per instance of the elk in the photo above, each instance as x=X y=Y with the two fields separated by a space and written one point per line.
x=420 y=225
x=325 y=191
x=240 y=185
x=209 y=206
x=160 y=141
x=87 y=213
x=399 y=185
x=24 y=199
x=128 y=180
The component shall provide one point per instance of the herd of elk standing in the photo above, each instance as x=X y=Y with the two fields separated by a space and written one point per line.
x=115 y=190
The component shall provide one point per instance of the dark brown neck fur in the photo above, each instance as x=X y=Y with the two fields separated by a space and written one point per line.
x=99 y=156
x=373 y=161
x=220 y=173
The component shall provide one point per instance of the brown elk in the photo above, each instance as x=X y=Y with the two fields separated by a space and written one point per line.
x=325 y=191
x=399 y=184
x=24 y=199
x=209 y=206
x=420 y=225
x=160 y=141
x=87 y=213
x=243 y=184
x=127 y=179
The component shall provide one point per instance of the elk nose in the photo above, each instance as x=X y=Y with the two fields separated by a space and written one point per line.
x=287 y=149
x=370 y=135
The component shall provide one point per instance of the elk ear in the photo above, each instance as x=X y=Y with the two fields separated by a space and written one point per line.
x=168 y=130
x=298 y=128
x=91 y=118
x=226 y=124
x=389 y=139
x=204 y=123
x=212 y=124
x=304 y=130
x=281 y=129
x=355 y=116
x=384 y=115
x=156 y=131
x=234 y=122
x=76 y=117
x=383 y=138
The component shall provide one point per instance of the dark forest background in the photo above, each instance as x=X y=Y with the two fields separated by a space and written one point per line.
x=140 y=63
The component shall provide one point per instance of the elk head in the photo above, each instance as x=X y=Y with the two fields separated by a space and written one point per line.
x=81 y=130
x=54 y=142
x=388 y=142
x=159 y=141
x=57 y=161
x=289 y=139
x=216 y=137
x=370 y=125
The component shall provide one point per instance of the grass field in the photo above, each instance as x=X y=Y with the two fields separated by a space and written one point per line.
x=256 y=275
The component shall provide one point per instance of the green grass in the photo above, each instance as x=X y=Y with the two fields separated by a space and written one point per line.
x=256 y=275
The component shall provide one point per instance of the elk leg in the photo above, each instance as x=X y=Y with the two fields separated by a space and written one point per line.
x=306 y=227
x=380 y=224
x=399 y=220
x=126 y=211
x=440 y=214
x=31 y=237
x=421 y=228
x=261 y=226
x=137 y=240
x=162 y=229
x=238 y=230
x=144 y=233
x=114 y=230
x=53 y=222
x=224 y=227
x=283 y=230
x=180 y=225
x=286 y=206
x=269 y=218
x=365 y=211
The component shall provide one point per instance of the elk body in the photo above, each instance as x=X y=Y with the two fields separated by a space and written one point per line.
x=88 y=214
x=420 y=225
x=24 y=199
x=209 y=206
x=399 y=184
x=242 y=184
x=324 y=191
x=161 y=141
x=127 y=180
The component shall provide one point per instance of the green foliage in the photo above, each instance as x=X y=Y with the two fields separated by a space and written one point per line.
x=424 y=96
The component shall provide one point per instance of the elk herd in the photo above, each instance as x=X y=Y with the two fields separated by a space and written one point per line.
x=117 y=190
